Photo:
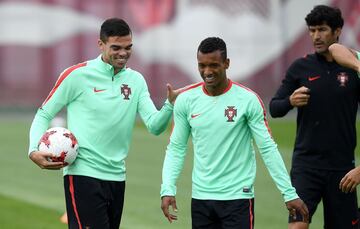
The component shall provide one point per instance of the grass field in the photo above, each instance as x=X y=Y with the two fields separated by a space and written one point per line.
x=33 y=198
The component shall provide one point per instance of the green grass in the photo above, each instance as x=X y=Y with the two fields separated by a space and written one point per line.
x=33 y=198
x=16 y=214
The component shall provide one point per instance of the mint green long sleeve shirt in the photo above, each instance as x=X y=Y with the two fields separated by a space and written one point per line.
x=101 y=112
x=222 y=129
x=358 y=56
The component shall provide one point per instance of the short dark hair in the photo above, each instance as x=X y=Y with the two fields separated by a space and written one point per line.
x=321 y=14
x=114 y=27
x=212 y=44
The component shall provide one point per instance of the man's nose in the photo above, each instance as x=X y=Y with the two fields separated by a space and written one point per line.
x=207 y=71
x=316 y=34
x=122 y=52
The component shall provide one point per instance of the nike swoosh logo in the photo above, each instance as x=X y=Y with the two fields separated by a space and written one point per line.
x=96 y=90
x=354 y=222
x=194 y=115
x=312 y=78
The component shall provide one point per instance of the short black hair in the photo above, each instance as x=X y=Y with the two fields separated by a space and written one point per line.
x=321 y=14
x=212 y=44
x=114 y=27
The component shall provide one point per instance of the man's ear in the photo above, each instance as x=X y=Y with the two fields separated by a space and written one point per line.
x=227 y=63
x=100 y=44
x=337 y=33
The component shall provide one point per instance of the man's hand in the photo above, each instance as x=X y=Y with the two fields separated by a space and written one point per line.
x=300 y=97
x=41 y=159
x=166 y=201
x=349 y=182
x=298 y=205
x=172 y=94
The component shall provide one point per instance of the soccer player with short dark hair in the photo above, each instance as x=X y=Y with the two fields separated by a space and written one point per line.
x=326 y=96
x=103 y=97
x=223 y=118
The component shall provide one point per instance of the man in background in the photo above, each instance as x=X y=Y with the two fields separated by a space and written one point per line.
x=326 y=96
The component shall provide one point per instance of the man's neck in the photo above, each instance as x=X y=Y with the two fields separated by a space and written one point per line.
x=326 y=55
x=215 y=91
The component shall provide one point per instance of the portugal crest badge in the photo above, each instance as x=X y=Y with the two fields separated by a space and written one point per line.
x=230 y=113
x=126 y=91
x=343 y=78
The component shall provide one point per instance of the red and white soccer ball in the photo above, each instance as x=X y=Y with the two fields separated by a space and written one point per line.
x=61 y=142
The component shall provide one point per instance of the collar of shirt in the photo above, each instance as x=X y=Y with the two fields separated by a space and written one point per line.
x=107 y=67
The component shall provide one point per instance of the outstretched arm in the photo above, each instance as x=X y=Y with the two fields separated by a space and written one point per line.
x=157 y=121
x=345 y=56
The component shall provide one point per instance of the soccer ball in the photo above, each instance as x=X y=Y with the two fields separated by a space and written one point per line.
x=61 y=142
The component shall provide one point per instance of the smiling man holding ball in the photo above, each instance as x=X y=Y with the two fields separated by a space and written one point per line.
x=103 y=97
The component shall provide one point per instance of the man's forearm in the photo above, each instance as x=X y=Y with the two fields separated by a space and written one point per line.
x=345 y=56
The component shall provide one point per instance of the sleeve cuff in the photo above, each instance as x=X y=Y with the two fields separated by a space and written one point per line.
x=288 y=103
x=30 y=152
x=168 y=190
x=168 y=105
x=291 y=195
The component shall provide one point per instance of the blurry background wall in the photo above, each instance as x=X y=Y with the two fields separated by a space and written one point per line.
x=40 y=38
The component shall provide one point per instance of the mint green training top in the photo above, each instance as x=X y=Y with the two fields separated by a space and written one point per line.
x=358 y=56
x=101 y=112
x=222 y=129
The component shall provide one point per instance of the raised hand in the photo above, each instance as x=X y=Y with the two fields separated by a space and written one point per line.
x=172 y=94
